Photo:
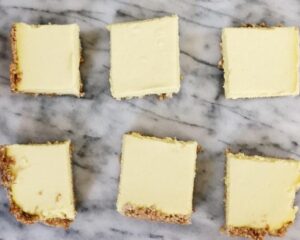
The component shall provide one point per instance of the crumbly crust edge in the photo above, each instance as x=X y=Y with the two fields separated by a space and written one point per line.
x=7 y=178
x=258 y=233
x=247 y=232
x=153 y=214
x=16 y=76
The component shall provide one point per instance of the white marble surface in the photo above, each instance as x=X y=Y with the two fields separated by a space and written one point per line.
x=96 y=123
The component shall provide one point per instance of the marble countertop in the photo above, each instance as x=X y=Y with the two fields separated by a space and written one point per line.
x=97 y=122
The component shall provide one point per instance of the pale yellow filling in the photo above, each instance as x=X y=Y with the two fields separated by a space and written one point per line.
x=43 y=184
x=260 y=191
x=48 y=58
x=260 y=62
x=145 y=57
x=157 y=172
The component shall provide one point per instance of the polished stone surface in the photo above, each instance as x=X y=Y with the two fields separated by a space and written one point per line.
x=97 y=122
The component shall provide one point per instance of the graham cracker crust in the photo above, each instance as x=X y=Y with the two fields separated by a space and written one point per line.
x=153 y=214
x=7 y=179
x=16 y=76
x=256 y=233
x=27 y=218
x=165 y=96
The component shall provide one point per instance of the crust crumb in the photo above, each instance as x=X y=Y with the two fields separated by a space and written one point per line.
x=58 y=197
x=199 y=149
x=164 y=96
x=153 y=214
x=221 y=64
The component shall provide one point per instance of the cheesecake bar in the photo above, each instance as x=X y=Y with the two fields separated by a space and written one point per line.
x=38 y=178
x=46 y=59
x=145 y=58
x=157 y=178
x=260 y=61
x=260 y=194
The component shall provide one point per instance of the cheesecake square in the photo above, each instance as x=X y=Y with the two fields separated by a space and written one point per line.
x=38 y=178
x=46 y=59
x=157 y=178
x=260 y=61
x=145 y=58
x=260 y=195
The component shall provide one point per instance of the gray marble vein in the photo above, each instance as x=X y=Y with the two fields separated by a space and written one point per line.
x=96 y=123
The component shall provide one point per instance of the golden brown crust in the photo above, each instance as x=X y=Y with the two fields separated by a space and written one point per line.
x=254 y=25
x=27 y=218
x=257 y=233
x=259 y=25
x=165 y=96
x=153 y=214
x=16 y=75
x=7 y=179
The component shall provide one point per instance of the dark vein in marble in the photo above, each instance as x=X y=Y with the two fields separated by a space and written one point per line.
x=72 y=231
x=233 y=110
x=88 y=168
x=91 y=138
x=121 y=13
x=199 y=60
x=54 y=12
x=165 y=12
x=4 y=77
x=127 y=233
x=3 y=37
x=198 y=23
x=275 y=145
x=155 y=236
x=123 y=232
x=213 y=11
x=91 y=17
x=37 y=119
x=253 y=150
x=80 y=13
x=209 y=130
x=95 y=207
x=142 y=7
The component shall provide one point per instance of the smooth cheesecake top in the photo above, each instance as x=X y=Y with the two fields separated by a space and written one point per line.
x=260 y=62
x=48 y=58
x=145 y=57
